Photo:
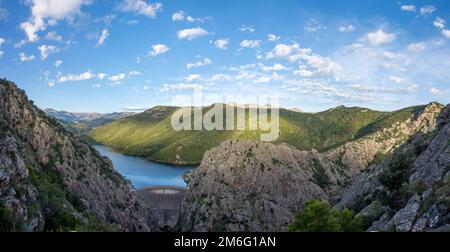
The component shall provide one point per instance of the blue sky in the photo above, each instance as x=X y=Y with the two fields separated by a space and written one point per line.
x=105 y=56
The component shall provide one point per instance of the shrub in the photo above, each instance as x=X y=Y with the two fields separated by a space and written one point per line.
x=318 y=216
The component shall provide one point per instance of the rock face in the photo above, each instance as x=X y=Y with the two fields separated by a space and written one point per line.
x=52 y=181
x=413 y=184
x=251 y=186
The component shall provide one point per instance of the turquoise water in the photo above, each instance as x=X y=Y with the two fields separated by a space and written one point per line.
x=142 y=172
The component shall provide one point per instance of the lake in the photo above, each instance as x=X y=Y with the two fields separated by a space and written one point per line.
x=142 y=172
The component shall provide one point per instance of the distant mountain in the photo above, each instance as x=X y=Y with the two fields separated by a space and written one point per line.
x=52 y=181
x=88 y=119
x=82 y=123
x=149 y=134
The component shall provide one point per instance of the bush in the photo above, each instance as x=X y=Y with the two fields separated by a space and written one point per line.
x=318 y=216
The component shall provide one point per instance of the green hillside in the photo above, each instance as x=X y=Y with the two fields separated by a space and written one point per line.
x=150 y=135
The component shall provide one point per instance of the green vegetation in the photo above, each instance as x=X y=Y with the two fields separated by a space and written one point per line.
x=318 y=216
x=319 y=175
x=150 y=135
x=54 y=197
x=8 y=222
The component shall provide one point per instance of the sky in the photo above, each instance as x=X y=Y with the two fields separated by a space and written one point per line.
x=130 y=55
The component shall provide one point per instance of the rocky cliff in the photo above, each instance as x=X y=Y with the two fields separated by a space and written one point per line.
x=251 y=186
x=52 y=181
x=410 y=190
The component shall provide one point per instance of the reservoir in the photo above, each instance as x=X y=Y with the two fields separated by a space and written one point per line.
x=144 y=173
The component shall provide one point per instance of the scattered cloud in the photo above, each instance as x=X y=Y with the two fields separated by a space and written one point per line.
x=54 y=36
x=247 y=29
x=411 y=8
x=313 y=25
x=435 y=91
x=159 y=49
x=417 y=47
x=396 y=79
x=74 y=77
x=439 y=23
x=178 y=16
x=47 y=50
x=141 y=7
x=25 y=58
x=45 y=12
x=206 y=61
x=117 y=77
x=446 y=33
x=101 y=76
x=134 y=73
x=179 y=87
x=222 y=44
x=427 y=10
x=274 y=67
x=250 y=43
x=191 y=34
x=380 y=37
x=193 y=77
x=58 y=63
x=347 y=28
x=273 y=38
x=103 y=37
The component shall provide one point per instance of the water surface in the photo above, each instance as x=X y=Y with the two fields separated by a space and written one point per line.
x=144 y=173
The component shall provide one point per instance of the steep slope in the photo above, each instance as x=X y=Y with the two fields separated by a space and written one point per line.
x=150 y=134
x=410 y=190
x=250 y=186
x=52 y=181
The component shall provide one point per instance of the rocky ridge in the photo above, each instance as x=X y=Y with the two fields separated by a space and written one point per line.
x=251 y=186
x=52 y=181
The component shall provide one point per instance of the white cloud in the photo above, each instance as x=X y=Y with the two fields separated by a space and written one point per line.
x=193 y=77
x=380 y=37
x=1 y=54
x=396 y=79
x=435 y=91
x=222 y=44
x=273 y=38
x=141 y=7
x=313 y=25
x=103 y=37
x=439 y=23
x=178 y=16
x=411 y=8
x=58 y=63
x=446 y=33
x=54 y=36
x=275 y=67
x=262 y=80
x=427 y=10
x=101 y=76
x=74 y=77
x=206 y=61
x=117 y=78
x=51 y=11
x=417 y=47
x=246 y=29
x=250 y=43
x=134 y=73
x=46 y=50
x=303 y=73
x=222 y=77
x=179 y=87
x=25 y=58
x=347 y=28
x=159 y=49
x=2 y=41
x=192 y=33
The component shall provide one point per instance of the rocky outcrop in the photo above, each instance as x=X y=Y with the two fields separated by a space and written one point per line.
x=52 y=181
x=252 y=186
x=413 y=184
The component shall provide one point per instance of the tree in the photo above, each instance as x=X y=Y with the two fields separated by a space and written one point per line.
x=318 y=216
